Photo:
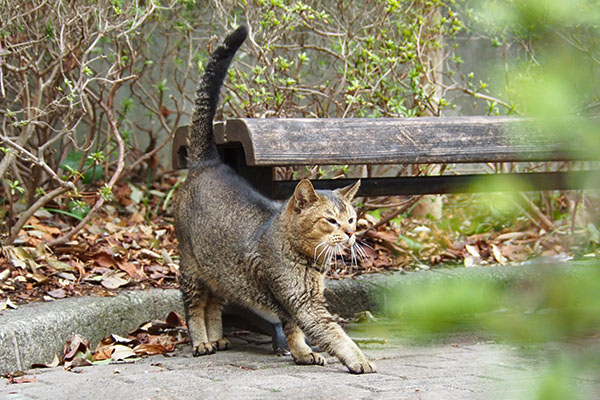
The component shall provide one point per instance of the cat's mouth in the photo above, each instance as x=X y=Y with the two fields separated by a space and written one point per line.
x=347 y=250
x=350 y=241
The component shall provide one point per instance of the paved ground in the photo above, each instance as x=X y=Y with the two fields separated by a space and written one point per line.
x=458 y=368
x=461 y=367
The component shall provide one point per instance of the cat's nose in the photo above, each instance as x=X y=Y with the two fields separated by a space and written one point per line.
x=349 y=231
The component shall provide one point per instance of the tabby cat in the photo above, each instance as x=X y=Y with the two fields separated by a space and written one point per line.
x=236 y=245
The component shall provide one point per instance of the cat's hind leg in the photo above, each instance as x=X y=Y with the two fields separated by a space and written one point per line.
x=301 y=352
x=214 y=323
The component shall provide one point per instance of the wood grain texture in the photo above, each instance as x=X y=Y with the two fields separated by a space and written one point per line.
x=278 y=142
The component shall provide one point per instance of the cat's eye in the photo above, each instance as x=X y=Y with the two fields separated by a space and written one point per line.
x=351 y=220
x=332 y=221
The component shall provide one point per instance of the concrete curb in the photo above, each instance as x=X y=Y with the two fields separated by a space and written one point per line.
x=371 y=291
x=34 y=333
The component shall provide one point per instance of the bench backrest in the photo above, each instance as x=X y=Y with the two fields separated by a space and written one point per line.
x=277 y=142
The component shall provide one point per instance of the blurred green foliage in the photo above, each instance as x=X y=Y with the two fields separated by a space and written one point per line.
x=550 y=304
x=545 y=305
x=552 y=67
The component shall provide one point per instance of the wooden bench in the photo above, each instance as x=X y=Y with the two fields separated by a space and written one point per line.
x=255 y=146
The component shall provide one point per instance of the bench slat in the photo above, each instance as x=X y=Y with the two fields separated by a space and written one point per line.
x=305 y=141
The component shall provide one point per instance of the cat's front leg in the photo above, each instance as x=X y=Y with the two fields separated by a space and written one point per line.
x=302 y=353
x=318 y=324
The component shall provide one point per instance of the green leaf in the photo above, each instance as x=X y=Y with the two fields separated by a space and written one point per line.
x=79 y=209
x=375 y=214
x=60 y=265
x=409 y=243
x=63 y=212
x=92 y=172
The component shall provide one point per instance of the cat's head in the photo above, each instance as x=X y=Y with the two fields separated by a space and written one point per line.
x=322 y=224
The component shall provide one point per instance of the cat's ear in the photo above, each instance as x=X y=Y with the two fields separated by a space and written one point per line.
x=348 y=192
x=304 y=195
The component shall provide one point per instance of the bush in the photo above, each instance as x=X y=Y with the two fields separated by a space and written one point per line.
x=92 y=91
x=73 y=76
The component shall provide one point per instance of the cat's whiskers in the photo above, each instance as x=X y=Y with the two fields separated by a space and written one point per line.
x=353 y=259
x=361 y=252
x=365 y=244
x=340 y=250
x=322 y=256
x=326 y=254
x=327 y=260
x=316 y=257
x=357 y=252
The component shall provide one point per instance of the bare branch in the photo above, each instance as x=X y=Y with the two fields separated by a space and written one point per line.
x=41 y=202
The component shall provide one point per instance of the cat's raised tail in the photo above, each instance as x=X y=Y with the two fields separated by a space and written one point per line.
x=201 y=142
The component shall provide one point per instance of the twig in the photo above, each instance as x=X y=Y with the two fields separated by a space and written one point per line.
x=545 y=221
x=41 y=202
x=575 y=206
x=389 y=216
x=374 y=206
x=28 y=155
x=120 y=165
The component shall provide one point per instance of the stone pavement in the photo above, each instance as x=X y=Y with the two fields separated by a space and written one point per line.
x=458 y=368
x=464 y=367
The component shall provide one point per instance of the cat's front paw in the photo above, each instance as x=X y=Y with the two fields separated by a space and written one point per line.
x=221 y=344
x=361 y=367
x=203 y=349
x=311 y=358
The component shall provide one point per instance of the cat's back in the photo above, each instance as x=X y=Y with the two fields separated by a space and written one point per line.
x=217 y=204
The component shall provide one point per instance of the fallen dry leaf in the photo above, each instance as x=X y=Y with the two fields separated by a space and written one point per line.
x=150 y=349
x=61 y=266
x=23 y=379
x=52 y=230
x=104 y=259
x=122 y=340
x=4 y=274
x=128 y=267
x=498 y=256
x=112 y=279
x=73 y=346
x=472 y=250
x=103 y=353
x=516 y=252
x=121 y=352
x=175 y=320
x=57 y=293
x=6 y=303
x=471 y=261
x=77 y=353
x=511 y=236
x=54 y=363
